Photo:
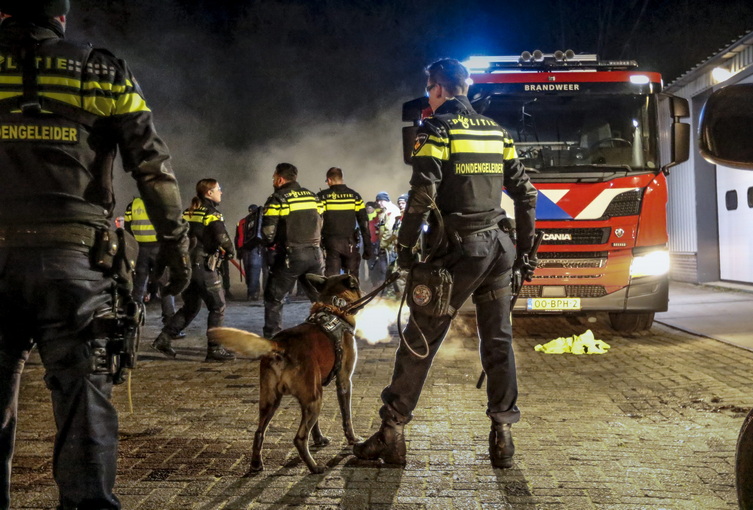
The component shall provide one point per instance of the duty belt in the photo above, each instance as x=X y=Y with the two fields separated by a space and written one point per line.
x=47 y=236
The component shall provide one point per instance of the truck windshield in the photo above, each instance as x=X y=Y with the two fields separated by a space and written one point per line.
x=555 y=133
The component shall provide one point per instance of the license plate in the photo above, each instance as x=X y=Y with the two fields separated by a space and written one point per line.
x=553 y=304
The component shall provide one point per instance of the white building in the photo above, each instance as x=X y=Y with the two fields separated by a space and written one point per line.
x=710 y=210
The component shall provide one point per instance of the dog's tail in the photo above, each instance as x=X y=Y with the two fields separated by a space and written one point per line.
x=243 y=342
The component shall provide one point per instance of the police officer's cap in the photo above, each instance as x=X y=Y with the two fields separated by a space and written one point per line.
x=35 y=8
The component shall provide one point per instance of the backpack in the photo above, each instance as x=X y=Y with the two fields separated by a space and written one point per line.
x=250 y=237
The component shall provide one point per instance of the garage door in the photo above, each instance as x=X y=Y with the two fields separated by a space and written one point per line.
x=735 y=213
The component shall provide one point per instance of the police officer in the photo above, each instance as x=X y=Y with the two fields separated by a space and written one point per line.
x=66 y=110
x=138 y=224
x=343 y=212
x=291 y=224
x=461 y=162
x=210 y=244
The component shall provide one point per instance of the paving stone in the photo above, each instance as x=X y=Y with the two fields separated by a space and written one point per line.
x=652 y=424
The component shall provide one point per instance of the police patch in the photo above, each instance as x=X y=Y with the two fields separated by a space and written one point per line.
x=421 y=295
x=420 y=141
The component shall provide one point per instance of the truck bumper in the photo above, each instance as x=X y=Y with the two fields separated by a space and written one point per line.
x=647 y=294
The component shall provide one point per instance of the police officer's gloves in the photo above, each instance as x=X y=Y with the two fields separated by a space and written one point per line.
x=526 y=266
x=368 y=251
x=173 y=255
x=405 y=257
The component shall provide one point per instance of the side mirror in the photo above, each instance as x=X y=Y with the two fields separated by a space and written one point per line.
x=680 y=148
x=726 y=132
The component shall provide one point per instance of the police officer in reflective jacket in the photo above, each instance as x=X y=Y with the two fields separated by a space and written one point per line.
x=461 y=162
x=66 y=110
x=138 y=224
x=346 y=225
x=210 y=245
x=291 y=224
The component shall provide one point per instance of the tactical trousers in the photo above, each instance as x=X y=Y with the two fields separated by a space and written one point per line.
x=483 y=266
x=146 y=267
x=289 y=267
x=205 y=286
x=49 y=297
x=342 y=255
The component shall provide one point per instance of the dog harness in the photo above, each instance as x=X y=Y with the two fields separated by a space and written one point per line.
x=334 y=327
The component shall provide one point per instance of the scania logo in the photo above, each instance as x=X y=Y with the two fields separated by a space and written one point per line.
x=619 y=232
x=558 y=237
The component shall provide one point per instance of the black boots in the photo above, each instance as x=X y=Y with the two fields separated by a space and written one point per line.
x=163 y=344
x=216 y=352
x=501 y=447
x=387 y=444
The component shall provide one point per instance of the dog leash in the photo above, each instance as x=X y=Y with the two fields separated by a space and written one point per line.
x=355 y=306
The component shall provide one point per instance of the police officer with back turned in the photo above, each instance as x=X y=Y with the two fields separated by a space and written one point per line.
x=292 y=225
x=461 y=162
x=343 y=212
x=65 y=111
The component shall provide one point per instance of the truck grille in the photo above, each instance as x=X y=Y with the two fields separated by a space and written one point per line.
x=624 y=204
x=576 y=236
x=573 y=260
x=581 y=291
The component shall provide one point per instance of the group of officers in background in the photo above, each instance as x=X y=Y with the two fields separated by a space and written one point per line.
x=294 y=233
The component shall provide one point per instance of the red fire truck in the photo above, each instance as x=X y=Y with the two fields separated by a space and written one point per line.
x=589 y=133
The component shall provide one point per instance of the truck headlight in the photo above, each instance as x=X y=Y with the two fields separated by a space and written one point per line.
x=653 y=263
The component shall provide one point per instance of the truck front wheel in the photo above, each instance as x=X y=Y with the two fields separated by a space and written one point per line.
x=626 y=322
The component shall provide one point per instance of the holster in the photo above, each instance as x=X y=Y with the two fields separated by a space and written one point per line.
x=119 y=329
x=212 y=262
x=429 y=290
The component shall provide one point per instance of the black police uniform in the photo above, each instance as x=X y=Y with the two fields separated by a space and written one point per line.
x=344 y=216
x=208 y=235
x=292 y=224
x=58 y=138
x=462 y=160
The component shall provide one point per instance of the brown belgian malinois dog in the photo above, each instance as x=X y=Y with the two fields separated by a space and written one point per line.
x=299 y=361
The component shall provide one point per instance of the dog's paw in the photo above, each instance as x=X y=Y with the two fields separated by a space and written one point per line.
x=321 y=441
x=317 y=470
x=355 y=439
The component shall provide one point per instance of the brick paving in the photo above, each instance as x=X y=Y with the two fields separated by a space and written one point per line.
x=652 y=424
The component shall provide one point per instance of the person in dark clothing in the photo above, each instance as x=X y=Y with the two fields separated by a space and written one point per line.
x=345 y=227
x=461 y=162
x=210 y=244
x=292 y=224
x=65 y=275
x=248 y=242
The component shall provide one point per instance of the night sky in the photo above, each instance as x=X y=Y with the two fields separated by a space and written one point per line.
x=238 y=86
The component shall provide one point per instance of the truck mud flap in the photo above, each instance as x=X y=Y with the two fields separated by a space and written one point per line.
x=744 y=464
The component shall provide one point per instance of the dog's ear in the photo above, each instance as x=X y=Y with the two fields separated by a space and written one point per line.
x=316 y=280
x=352 y=282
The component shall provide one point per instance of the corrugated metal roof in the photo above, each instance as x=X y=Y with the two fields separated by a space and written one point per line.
x=724 y=54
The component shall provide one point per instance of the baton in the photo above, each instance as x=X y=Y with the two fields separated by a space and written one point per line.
x=534 y=250
x=238 y=266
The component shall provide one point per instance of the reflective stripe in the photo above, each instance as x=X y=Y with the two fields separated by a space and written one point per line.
x=434 y=148
x=342 y=205
x=477 y=132
x=477 y=146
